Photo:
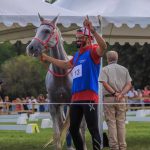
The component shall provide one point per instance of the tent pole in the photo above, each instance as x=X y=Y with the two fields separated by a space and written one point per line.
x=100 y=110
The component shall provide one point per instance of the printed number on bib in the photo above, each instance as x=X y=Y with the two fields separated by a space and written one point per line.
x=77 y=72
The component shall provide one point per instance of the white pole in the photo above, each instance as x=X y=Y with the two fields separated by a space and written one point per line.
x=100 y=110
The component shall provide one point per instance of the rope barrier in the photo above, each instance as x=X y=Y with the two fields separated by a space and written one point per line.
x=64 y=103
x=127 y=98
x=33 y=105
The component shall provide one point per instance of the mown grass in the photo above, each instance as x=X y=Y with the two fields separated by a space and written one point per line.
x=138 y=137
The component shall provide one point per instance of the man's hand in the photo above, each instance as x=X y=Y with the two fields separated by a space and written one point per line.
x=43 y=57
x=88 y=24
x=64 y=64
x=100 y=41
x=119 y=96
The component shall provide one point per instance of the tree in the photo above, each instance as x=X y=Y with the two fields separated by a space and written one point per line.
x=23 y=76
x=7 y=51
x=70 y=48
x=20 y=48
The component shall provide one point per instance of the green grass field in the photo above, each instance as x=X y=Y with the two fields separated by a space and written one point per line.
x=138 y=138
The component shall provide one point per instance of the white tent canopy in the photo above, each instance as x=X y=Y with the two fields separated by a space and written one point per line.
x=122 y=20
x=18 y=18
x=26 y=11
x=117 y=12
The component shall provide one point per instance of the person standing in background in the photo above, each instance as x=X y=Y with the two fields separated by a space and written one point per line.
x=117 y=82
x=146 y=93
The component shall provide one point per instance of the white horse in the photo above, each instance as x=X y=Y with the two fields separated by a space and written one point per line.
x=49 y=37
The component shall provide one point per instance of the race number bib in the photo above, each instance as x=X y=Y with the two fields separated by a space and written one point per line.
x=77 y=72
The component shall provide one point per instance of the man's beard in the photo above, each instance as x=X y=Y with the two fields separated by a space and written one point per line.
x=80 y=44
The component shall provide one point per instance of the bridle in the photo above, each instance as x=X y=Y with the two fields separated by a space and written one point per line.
x=46 y=46
x=53 y=33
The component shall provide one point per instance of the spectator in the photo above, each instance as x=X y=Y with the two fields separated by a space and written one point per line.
x=24 y=101
x=146 y=93
x=19 y=106
x=131 y=95
x=139 y=98
x=117 y=82
x=13 y=105
x=41 y=99
x=29 y=101
x=35 y=102
x=7 y=104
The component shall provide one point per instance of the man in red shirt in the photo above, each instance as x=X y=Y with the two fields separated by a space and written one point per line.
x=86 y=63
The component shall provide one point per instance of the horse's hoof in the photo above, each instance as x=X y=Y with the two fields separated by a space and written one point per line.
x=71 y=148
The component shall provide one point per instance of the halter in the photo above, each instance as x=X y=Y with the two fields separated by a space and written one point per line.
x=45 y=43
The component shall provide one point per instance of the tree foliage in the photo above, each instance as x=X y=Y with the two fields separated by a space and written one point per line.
x=7 y=51
x=70 y=48
x=23 y=76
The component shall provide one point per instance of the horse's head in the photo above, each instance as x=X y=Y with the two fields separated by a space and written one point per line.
x=46 y=37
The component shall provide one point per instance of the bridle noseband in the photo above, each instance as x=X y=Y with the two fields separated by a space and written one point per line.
x=45 y=43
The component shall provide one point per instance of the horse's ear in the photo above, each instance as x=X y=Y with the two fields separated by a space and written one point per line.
x=54 y=21
x=41 y=18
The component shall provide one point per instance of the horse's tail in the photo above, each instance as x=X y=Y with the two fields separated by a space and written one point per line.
x=64 y=129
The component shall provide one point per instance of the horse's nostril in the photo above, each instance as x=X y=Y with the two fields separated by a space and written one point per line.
x=31 y=47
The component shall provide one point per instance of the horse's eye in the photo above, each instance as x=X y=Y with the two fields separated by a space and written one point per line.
x=46 y=31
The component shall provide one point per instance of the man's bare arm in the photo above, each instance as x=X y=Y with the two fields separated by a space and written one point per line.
x=59 y=63
x=126 y=88
x=101 y=42
x=108 y=87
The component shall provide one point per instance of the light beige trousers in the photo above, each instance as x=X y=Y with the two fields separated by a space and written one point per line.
x=115 y=115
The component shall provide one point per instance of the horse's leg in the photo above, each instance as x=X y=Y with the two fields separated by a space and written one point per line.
x=55 y=118
x=83 y=127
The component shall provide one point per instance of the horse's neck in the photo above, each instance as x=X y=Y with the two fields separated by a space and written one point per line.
x=58 y=52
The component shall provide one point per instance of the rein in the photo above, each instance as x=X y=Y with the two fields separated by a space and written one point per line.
x=63 y=75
